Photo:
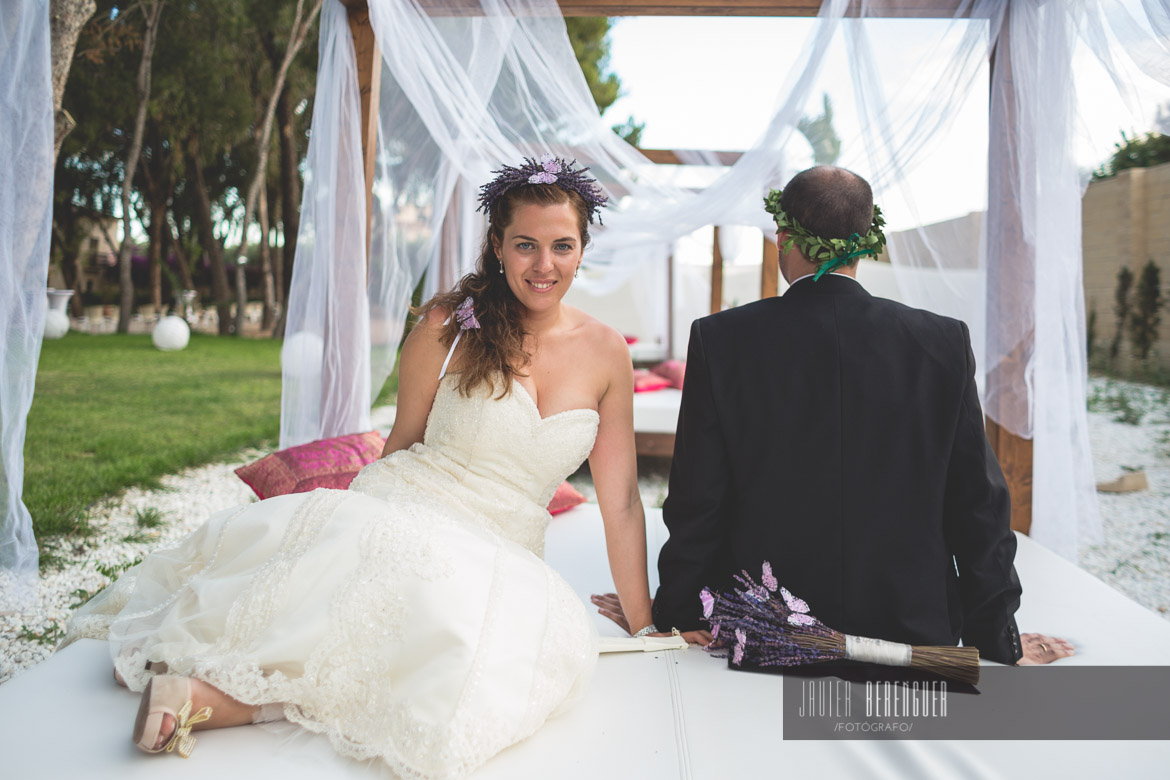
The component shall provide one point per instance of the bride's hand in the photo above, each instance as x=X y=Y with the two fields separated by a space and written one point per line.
x=609 y=605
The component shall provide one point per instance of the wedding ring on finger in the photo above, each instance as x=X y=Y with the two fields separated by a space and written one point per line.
x=1044 y=647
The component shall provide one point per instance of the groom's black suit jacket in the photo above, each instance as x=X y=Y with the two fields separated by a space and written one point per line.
x=839 y=436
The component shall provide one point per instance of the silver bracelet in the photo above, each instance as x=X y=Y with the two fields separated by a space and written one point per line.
x=650 y=629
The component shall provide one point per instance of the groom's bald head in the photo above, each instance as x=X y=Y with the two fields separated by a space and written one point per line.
x=829 y=202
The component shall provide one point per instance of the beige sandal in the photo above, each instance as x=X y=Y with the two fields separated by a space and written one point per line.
x=160 y=698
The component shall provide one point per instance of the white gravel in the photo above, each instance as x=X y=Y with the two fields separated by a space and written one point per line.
x=1134 y=557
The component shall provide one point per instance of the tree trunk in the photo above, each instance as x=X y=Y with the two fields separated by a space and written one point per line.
x=296 y=39
x=276 y=260
x=219 y=279
x=156 y=253
x=157 y=170
x=290 y=201
x=180 y=256
x=66 y=18
x=266 y=265
x=153 y=14
x=70 y=269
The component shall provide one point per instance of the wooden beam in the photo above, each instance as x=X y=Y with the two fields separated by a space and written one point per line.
x=770 y=269
x=883 y=8
x=1015 y=458
x=369 y=70
x=1010 y=269
x=922 y=9
x=716 y=274
x=449 y=242
x=670 y=307
x=659 y=445
x=670 y=156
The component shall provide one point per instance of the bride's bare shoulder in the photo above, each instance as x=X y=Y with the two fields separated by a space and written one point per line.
x=423 y=345
x=599 y=338
x=601 y=347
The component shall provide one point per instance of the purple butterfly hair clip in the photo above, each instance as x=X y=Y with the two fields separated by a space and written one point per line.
x=465 y=315
x=551 y=167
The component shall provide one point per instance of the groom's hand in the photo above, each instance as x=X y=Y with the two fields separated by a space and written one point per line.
x=609 y=605
x=1040 y=649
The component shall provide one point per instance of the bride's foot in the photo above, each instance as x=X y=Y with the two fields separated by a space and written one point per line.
x=172 y=706
x=167 y=714
x=158 y=667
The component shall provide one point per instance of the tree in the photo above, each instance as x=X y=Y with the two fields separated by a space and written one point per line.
x=302 y=22
x=589 y=36
x=152 y=13
x=823 y=139
x=1137 y=152
x=66 y=20
x=293 y=109
x=1143 y=322
x=1121 y=309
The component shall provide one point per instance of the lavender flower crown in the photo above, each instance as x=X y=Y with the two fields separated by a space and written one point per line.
x=550 y=170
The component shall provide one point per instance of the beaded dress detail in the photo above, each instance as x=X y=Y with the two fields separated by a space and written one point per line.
x=409 y=618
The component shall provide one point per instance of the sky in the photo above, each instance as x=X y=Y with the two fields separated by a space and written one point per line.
x=714 y=82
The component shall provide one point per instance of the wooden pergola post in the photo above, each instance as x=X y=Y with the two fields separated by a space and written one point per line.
x=1010 y=269
x=369 y=70
x=716 y=272
x=770 y=270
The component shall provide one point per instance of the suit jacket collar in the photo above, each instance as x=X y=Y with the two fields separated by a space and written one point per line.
x=829 y=284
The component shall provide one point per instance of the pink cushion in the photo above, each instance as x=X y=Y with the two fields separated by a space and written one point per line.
x=564 y=499
x=646 y=381
x=326 y=463
x=333 y=463
x=673 y=371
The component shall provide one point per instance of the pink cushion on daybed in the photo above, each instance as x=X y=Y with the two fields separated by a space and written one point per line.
x=333 y=463
x=673 y=371
x=326 y=463
x=646 y=381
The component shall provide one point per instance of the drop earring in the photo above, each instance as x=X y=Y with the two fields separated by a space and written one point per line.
x=577 y=272
x=501 y=267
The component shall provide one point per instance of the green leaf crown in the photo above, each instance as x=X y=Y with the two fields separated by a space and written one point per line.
x=823 y=250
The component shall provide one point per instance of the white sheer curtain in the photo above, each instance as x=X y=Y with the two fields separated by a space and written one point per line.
x=26 y=191
x=463 y=93
x=325 y=358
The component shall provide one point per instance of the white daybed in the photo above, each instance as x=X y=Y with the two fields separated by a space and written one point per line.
x=673 y=714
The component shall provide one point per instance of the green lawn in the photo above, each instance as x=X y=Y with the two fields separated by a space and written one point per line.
x=112 y=412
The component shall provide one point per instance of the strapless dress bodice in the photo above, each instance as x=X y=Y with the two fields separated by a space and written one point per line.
x=491 y=456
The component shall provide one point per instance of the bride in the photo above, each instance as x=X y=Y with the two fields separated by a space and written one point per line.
x=411 y=617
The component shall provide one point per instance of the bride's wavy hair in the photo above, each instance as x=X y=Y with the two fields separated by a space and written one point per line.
x=495 y=350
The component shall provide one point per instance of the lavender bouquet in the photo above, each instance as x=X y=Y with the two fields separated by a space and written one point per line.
x=763 y=624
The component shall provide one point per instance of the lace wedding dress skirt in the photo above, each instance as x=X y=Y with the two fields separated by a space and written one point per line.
x=409 y=618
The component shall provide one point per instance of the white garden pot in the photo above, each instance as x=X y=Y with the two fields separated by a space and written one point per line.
x=57 y=317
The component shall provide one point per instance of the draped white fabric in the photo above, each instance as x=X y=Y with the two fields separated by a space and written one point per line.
x=327 y=315
x=463 y=93
x=26 y=190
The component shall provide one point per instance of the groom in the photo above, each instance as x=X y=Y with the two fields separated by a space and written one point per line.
x=839 y=436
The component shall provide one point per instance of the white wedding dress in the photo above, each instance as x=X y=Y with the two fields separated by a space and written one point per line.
x=409 y=618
